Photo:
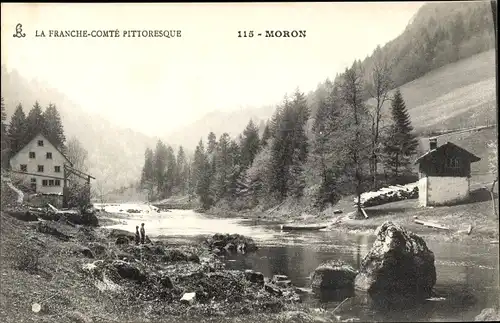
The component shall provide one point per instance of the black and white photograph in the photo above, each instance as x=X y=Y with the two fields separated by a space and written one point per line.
x=290 y=162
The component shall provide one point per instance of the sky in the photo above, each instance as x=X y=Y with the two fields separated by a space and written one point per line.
x=158 y=85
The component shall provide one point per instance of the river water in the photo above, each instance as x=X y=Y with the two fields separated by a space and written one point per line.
x=467 y=273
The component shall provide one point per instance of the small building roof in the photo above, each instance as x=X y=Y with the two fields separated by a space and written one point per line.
x=449 y=147
x=55 y=147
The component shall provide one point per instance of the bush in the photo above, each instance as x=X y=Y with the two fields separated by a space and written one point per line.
x=28 y=260
x=79 y=196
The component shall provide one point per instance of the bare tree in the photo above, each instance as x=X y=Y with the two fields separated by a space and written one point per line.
x=77 y=154
x=357 y=134
x=381 y=83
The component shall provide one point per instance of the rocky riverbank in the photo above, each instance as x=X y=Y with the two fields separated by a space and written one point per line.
x=56 y=270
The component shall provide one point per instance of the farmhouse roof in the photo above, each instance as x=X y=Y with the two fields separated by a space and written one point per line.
x=56 y=148
x=449 y=147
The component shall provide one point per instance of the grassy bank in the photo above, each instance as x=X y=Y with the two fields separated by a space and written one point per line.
x=477 y=213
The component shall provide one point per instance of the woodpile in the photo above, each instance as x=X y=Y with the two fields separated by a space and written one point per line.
x=389 y=194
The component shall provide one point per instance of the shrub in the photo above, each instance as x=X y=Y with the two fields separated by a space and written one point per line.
x=79 y=196
x=28 y=260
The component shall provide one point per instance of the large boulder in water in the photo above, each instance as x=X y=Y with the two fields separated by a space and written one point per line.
x=398 y=268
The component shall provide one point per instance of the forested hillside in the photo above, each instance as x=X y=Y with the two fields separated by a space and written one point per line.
x=357 y=132
x=439 y=34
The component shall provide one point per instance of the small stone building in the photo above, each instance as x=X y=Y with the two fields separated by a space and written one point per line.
x=444 y=174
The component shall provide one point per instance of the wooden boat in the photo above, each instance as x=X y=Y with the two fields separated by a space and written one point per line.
x=434 y=225
x=285 y=227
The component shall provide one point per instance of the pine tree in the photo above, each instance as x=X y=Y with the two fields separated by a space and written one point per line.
x=3 y=113
x=212 y=143
x=160 y=164
x=324 y=158
x=54 y=130
x=289 y=147
x=275 y=119
x=265 y=135
x=223 y=166
x=17 y=130
x=197 y=165
x=281 y=151
x=202 y=173
x=171 y=170
x=401 y=144
x=182 y=171
x=250 y=144
x=147 y=175
x=300 y=145
x=236 y=172
x=35 y=122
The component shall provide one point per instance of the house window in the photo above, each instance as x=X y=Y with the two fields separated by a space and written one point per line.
x=24 y=168
x=40 y=168
x=57 y=169
x=44 y=182
x=57 y=182
x=40 y=143
x=49 y=155
x=32 y=155
x=33 y=184
x=51 y=182
x=453 y=162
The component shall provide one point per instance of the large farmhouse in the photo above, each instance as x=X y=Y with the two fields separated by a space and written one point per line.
x=41 y=165
x=444 y=174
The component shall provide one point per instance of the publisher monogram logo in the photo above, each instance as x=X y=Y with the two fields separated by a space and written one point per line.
x=19 y=31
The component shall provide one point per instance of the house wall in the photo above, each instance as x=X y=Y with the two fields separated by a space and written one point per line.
x=445 y=190
x=422 y=191
x=22 y=157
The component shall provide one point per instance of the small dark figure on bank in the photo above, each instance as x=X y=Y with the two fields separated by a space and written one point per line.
x=143 y=233
x=137 y=235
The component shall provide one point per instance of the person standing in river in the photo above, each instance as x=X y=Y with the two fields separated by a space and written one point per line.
x=137 y=235
x=143 y=233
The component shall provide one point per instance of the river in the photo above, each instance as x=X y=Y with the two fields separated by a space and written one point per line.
x=467 y=273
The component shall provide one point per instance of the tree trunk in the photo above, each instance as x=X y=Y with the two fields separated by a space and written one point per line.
x=493 y=198
x=375 y=158
x=396 y=170
x=494 y=12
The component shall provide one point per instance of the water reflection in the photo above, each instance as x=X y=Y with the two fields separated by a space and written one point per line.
x=467 y=273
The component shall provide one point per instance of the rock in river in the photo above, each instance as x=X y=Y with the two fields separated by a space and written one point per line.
x=231 y=243
x=398 y=268
x=333 y=275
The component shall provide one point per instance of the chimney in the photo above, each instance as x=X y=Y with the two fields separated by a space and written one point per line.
x=432 y=143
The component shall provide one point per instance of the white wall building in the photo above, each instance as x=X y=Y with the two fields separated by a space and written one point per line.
x=43 y=165
x=444 y=173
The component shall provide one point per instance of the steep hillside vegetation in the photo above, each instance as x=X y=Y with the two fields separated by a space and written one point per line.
x=440 y=33
x=458 y=95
